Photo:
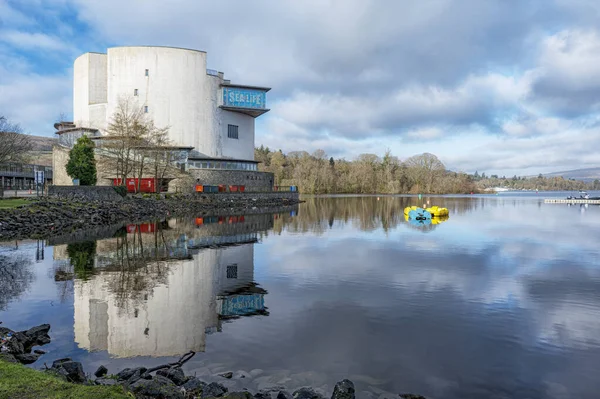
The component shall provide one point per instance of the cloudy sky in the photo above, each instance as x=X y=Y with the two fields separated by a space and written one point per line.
x=500 y=86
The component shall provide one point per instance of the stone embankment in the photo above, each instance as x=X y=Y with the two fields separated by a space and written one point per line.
x=63 y=214
x=166 y=381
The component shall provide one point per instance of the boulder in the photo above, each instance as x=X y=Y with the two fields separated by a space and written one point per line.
x=263 y=395
x=227 y=374
x=343 y=390
x=137 y=375
x=101 y=371
x=27 y=358
x=34 y=332
x=14 y=346
x=157 y=387
x=411 y=396
x=284 y=395
x=306 y=393
x=70 y=369
x=193 y=386
x=213 y=390
x=175 y=374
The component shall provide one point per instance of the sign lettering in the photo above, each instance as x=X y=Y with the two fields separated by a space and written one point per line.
x=244 y=98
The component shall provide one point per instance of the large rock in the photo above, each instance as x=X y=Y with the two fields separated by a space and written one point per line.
x=138 y=373
x=27 y=358
x=127 y=373
x=157 y=387
x=284 y=395
x=306 y=393
x=227 y=374
x=193 y=386
x=35 y=332
x=14 y=346
x=101 y=371
x=411 y=396
x=343 y=390
x=213 y=390
x=70 y=369
x=175 y=374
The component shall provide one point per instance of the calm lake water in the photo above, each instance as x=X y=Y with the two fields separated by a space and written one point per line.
x=502 y=300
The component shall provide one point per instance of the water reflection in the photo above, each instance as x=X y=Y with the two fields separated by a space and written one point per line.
x=157 y=289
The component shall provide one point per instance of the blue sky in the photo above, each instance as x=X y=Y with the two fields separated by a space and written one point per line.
x=500 y=86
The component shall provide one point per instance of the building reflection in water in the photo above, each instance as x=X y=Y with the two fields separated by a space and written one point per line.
x=158 y=289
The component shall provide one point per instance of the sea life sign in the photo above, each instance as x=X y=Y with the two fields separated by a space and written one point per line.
x=244 y=98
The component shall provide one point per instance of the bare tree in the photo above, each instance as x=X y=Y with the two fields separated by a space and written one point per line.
x=127 y=131
x=14 y=145
x=135 y=146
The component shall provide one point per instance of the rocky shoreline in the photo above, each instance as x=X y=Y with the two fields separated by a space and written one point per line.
x=49 y=216
x=166 y=381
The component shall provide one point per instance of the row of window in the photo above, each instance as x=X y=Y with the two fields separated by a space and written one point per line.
x=223 y=165
x=23 y=168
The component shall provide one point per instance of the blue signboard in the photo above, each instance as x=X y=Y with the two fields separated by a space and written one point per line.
x=244 y=98
x=240 y=305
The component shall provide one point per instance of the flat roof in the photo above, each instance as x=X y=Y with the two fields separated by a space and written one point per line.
x=246 y=86
x=171 y=47
x=192 y=158
x=74 y=129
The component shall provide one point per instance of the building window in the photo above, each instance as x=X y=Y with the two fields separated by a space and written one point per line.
x=146 y=109
x=232 y=271
x=135 y=92
x=147 y=72
x=232 y=131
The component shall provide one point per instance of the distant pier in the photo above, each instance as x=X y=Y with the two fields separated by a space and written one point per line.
x=571 y=201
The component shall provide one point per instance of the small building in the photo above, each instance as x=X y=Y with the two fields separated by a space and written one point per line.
x=202 y=110
x=21 y=176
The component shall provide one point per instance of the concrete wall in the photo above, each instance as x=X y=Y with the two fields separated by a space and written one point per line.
x=60 y=157
x=175 y=91
x=90 y=90
x=250 y=179
x=94 y=193
x=243 y=147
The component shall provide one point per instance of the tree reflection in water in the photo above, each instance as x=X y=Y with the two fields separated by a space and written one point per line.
x=15 y=278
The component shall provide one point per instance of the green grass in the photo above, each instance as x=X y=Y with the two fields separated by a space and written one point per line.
x=13 y=203
x=20 y=382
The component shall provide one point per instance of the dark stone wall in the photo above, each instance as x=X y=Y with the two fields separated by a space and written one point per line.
x=250 y=179
x=93 y=193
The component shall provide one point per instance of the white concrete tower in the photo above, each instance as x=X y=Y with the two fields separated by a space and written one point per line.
x=173 y=85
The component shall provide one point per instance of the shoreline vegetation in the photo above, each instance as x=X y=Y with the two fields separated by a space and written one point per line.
x=45 y=217
x=67 y=379
x=317 y=173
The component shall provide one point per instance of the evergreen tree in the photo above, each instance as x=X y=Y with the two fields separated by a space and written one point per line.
x=82 y=164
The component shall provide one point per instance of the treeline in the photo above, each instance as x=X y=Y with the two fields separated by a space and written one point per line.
x=317 y=173
x=534 y=183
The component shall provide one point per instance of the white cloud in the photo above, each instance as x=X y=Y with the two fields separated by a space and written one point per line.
x=25 y=40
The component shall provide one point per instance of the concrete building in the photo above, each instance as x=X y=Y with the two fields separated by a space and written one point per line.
x=19 y=176
x=201 y=108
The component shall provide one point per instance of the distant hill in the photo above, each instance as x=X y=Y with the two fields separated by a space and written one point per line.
x=586 y=175
x=41 y=143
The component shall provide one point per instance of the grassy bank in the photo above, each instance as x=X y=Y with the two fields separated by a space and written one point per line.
x=12 y=203
x=20 y=382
